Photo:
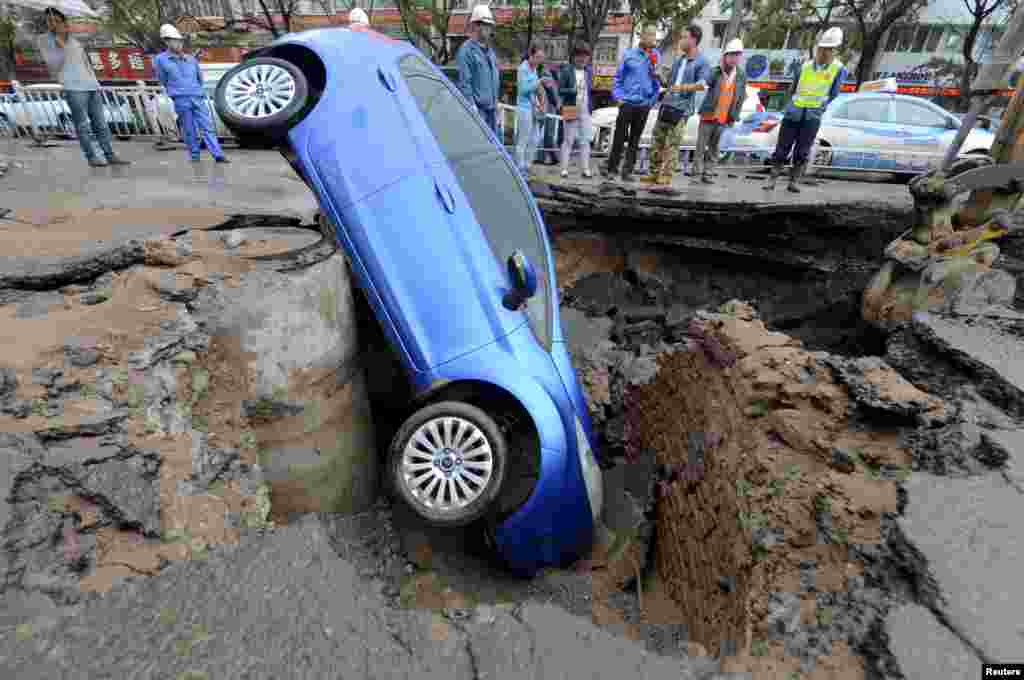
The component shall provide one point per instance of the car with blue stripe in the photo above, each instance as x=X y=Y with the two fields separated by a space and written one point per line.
x=885 y=132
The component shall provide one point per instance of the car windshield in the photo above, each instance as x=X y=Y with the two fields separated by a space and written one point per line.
x=489 y=181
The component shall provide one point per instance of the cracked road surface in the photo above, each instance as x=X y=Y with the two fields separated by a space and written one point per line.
x=283 y=604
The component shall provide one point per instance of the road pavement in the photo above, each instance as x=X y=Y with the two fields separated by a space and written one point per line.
x=286 y=602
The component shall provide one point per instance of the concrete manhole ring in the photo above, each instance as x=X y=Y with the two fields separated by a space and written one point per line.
x=307 y=244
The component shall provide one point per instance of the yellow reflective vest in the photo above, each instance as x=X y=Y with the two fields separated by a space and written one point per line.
x=813 y=88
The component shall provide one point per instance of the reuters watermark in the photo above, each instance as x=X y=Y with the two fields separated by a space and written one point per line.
x=1002 y=670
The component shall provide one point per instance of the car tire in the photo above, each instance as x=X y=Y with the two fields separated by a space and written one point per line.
x=969 y=161
x=240 y=108
x=425 y=426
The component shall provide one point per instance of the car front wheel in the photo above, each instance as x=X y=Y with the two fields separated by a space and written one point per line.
x=447 y=462
x=262 y=96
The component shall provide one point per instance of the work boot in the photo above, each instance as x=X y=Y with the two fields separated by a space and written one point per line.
x=794 y=176
x=628 y=165
x=774 y=177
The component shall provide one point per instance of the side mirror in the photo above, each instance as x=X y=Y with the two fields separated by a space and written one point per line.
x=524 y=280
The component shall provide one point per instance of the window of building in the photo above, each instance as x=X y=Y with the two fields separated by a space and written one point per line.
x=920 y=39
x=555 y=49
x=717 y=34
x=799 y=39
x=901 y=39
x=953 y=40
x=606 y=51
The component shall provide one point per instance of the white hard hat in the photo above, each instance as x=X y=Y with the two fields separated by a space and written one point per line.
x=358 y=16
x=482 y=14
x=735 y=45
x=833 y=37
x=169 y=32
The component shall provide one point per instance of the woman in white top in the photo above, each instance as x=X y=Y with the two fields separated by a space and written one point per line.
x=575 y=83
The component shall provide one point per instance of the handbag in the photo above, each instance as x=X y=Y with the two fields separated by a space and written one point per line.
x=569 y=113
x=670 y=115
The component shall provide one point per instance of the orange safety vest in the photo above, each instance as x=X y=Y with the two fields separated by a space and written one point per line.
x=725 y=94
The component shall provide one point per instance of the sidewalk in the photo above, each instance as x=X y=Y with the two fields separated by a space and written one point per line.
x=58 y=178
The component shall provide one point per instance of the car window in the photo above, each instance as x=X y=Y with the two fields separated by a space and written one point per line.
x=488 y=180
x=909 y=113
x=865 y=110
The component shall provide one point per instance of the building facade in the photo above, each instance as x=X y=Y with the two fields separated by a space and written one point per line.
x=909 y=54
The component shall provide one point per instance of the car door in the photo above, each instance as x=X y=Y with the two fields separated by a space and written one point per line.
x=924 y=127
x=467 y=160
x=422 y=238
x=855 y=129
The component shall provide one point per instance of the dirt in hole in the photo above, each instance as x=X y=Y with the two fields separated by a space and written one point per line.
x=748 y=423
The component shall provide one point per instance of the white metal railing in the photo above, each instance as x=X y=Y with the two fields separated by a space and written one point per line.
x=139 y=110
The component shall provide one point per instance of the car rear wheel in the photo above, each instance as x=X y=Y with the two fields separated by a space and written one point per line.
x=447 y=462
x=262 y=96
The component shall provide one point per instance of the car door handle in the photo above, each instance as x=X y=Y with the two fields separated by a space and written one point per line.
x=387 y=79
x=445 y=195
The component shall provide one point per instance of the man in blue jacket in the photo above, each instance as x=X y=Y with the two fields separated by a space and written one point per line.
x=636 y=90
x=478 y=68
x=182 y=79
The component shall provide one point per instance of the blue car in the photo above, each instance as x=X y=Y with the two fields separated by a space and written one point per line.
x=445 y=239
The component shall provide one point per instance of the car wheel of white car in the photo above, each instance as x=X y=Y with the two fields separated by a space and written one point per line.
x=447 y=462
x=263 y=95
x=67 y=127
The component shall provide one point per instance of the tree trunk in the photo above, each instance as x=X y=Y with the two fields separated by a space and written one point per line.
x=732 y=29
x=529 y=30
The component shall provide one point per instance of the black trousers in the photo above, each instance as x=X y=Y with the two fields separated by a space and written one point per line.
x=797 y=137
x=629 y=124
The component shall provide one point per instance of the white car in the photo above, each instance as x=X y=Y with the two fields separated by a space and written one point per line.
x=603 y=121
x=883 y=132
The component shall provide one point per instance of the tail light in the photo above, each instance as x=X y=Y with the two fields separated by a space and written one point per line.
x=766 y=125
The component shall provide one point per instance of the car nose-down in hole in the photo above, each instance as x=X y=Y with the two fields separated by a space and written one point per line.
x=445 y=239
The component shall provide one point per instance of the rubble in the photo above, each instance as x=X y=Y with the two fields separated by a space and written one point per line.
x=818 y=479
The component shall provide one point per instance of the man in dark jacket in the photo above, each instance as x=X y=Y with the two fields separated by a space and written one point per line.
x=635 y=89
x=575 y=85
x=727 y=90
